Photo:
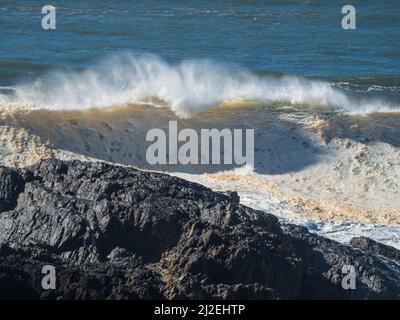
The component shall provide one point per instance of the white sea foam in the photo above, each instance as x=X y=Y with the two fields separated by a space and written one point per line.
x=186 y=88
x=6 y=88
x=341 y=231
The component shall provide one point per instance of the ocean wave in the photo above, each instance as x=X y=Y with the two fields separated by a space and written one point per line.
x=187 y=88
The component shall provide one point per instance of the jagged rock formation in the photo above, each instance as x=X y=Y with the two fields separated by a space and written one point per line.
x=369 y=245
x=114 y=232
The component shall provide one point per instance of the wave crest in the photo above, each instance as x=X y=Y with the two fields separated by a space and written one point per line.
x=187 y=88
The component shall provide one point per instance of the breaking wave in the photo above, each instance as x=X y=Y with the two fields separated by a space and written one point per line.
x=187 y=88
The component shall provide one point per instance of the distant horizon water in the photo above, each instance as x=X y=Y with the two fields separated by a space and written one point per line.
x=289 y=37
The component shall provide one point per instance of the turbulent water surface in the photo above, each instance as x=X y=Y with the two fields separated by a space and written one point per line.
x=248 y=46
x=324 y=101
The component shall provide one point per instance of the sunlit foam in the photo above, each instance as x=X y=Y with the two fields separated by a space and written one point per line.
x=187 y=88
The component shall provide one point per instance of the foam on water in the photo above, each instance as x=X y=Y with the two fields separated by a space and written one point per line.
x=341 y=231
x=187 y=88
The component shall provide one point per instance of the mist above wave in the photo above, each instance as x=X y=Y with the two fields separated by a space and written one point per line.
x=187 y=88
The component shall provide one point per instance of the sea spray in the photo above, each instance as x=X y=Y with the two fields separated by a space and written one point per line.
x=187 y=88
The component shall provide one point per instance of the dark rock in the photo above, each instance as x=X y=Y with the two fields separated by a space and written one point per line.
x=369 y=245
x=233 y=196
x=323 y=262
x=11 y=185
x=115 y=232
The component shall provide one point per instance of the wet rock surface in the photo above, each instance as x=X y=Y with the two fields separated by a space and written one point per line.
x=327 y=262
x=114 y=232
x=369 y=245
x=11 y=184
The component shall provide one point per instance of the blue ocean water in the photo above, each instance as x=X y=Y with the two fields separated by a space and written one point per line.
x=266 y=37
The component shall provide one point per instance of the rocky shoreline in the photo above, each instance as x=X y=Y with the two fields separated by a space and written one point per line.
x=114 y=232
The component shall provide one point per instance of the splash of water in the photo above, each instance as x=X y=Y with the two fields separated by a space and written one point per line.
x=187 y=88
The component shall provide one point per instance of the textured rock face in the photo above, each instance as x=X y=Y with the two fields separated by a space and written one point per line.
x=372 y=246
x=120 y=233
x=323 y=260
x=11 y=184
